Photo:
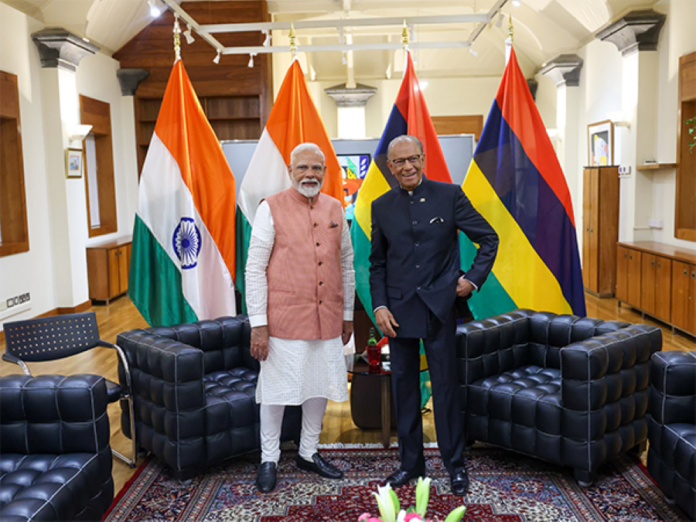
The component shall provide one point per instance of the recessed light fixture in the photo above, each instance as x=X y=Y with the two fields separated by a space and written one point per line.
x=423 y=84
x=516 y=3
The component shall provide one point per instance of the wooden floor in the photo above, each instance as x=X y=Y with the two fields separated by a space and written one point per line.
x=121 y=315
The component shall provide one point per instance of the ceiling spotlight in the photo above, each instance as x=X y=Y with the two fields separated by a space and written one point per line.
x=189 y=37
x=472 y=52
x=216 y=60
x=251 y=60
x=267 y=41
x=499 y=22
x=155 y=10
x=516 y=3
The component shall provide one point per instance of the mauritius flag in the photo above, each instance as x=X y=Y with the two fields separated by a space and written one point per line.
x=293 y=120
x=516 y=183
x=182 y=258
x=409 y=116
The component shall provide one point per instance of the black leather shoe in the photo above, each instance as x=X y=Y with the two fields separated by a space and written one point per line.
x=401 y=477
x=460 y=483
x=319 y=466
x=266 y=477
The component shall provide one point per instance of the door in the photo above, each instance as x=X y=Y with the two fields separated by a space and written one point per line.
x=123 y=269
x=647 y=283
x=114 y=275
x=594 y=230
x=663 y=288
x=634 y=268
x=681 y=276
x=692 y=299
x=622 y=274
x=586 y=219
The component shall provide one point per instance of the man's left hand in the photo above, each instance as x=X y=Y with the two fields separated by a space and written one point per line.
x=464 y=287
x=347 y=331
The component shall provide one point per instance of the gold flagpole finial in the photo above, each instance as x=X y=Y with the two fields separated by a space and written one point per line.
x=177 y=38
x=404 y=36
x=293 y=41
x=511 y=31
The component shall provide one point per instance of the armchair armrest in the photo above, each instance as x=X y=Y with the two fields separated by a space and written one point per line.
x=673 y=387
x=53 y=414
x=163 y=371
x=492 y=345
x=605 y=368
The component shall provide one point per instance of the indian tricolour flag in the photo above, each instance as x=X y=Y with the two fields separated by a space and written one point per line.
x=183 y=253
x=293 y=120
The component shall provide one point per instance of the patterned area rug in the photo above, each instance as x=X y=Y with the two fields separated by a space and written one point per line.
x=505 y=487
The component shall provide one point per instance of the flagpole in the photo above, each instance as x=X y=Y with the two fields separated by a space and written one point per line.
x=404 y=43
x=293 y=43
x=177 y=38
x=509 y=41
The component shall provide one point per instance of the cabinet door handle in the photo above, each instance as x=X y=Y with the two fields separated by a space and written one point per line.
x=659 y=265
x=652 y=263
x=630 y=257
x=685 y=271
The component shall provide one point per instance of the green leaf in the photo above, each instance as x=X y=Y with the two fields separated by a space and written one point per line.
x=395 y=500
x=456 y=514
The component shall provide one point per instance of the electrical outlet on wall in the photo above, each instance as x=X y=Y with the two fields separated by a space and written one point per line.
x=655 y=223
x=624 y=171
x=15 y=305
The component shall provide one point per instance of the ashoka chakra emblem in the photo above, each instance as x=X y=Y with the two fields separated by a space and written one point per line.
x=187 y=242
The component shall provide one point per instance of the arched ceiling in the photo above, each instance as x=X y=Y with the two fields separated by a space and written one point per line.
x=543 y=29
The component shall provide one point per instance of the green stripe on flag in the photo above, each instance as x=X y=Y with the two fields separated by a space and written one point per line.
x=242 y=238
x=154 y=284
x=361 y=264
x=495 y=300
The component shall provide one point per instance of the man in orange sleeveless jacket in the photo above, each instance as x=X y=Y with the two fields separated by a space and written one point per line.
x=300 y=290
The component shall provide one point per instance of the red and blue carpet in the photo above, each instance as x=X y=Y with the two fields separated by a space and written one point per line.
x=505 y=487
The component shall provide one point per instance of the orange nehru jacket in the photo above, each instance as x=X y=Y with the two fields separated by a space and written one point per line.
x=305 y=280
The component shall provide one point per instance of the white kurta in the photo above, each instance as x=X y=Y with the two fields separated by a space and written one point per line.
x=295 y=370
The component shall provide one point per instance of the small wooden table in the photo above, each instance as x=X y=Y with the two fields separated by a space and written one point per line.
x=361 y=367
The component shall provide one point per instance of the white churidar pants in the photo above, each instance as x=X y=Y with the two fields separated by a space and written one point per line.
x=272 y=420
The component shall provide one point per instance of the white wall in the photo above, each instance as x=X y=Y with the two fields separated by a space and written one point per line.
x=42 y=270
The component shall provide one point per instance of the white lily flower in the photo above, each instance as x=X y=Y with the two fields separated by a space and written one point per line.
x=401 y=517
x=422 y=495
x=385 y=504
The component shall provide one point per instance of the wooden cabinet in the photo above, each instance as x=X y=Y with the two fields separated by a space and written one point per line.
x=659 y=280
x=107 y=269
x=600 y=229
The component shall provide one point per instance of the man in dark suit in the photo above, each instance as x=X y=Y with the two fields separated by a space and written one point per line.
x=415 y=279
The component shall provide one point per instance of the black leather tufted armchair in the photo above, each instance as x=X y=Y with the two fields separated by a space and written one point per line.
x=672 y=430
x=55 y=458
x=194 y=388
x=570 y=390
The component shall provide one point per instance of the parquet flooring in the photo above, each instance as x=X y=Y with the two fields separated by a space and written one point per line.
x=122 y=315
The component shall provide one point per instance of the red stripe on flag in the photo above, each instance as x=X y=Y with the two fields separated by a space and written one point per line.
x=411 y=104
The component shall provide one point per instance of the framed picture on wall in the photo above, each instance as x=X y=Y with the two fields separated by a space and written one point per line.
x=73 y=163
x=600 y=143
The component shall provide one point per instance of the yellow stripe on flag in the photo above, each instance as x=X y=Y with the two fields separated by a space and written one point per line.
x=518 y=267
x=373 y=187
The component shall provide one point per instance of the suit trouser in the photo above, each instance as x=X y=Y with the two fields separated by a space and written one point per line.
x=442 y=364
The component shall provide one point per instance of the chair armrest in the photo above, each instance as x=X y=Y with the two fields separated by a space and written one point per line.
x=492 y=345
x=605 y=368
x=164 y=371
x=673 y=387
x=53 y=414
x=16 y=360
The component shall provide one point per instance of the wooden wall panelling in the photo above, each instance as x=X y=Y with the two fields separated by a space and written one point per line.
x=465 y=124
x=236 y=98
x=13 y=210
x=685 y=214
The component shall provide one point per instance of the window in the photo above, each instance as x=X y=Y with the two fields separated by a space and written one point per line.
x=99 y=167
x=14 y=237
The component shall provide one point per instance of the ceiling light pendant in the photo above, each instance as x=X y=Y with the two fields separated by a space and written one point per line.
x=216 y=60
x=189 y=37
x=155 y=10
x=267 y=41
x=472 y=52
x=499 y=22
x=251 y=60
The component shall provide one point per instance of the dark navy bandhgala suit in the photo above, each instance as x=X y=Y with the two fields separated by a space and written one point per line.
x=414 y=271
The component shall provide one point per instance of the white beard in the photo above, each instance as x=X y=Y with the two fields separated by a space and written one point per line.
x=305 y=190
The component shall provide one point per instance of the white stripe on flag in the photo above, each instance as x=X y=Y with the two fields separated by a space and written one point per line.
x=267 y=174
x=164 y=201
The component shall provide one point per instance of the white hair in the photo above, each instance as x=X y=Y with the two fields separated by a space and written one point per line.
x=303 y=147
